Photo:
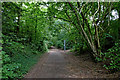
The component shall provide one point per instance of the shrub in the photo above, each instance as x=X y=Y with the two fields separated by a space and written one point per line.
x=10 y=69
x=17 y=58
x=112 y=57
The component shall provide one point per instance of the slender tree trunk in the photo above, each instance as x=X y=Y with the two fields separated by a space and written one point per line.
x=36 y=28
x=18 y=23
x=91 y=43
x=19 y=16
x=77 y=29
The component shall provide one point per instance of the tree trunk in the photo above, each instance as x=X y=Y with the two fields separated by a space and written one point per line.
x=91 y=43
x=19 y=15
x=36 y=28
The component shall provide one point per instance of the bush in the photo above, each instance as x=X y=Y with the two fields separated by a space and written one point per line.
x=112 y=57
x=59 y=44
x=10 y=69
x=17 y=58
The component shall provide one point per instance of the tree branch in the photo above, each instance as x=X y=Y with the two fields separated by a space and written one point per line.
x=61 y=19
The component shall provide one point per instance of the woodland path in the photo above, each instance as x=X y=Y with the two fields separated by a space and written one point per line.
x=58 y=64
x=51 y=65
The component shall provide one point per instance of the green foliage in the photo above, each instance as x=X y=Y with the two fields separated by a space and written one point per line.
x=112 y=57
x=60 y=44
x=15 y=67
x=45 y=46
x=23 y=36
x=98 y=59
x=9 y=68
x=18 y=58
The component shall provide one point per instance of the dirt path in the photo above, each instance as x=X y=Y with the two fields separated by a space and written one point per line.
x=58 y=64
x=51 y=65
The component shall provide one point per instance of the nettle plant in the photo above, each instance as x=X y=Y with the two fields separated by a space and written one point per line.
x=112 y=57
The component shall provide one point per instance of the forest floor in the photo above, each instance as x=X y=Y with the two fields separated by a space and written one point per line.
x=64 y=64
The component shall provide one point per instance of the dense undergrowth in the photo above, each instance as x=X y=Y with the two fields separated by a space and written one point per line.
x=18 y=58
x=111 y=58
